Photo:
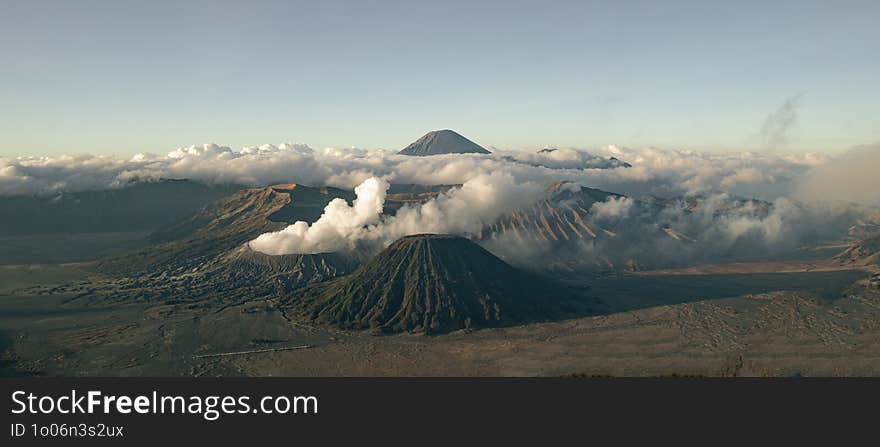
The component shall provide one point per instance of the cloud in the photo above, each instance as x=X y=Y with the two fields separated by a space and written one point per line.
x=654 y=171
x=774 y=131
x=465 y=209
x=337 y=229
x=705 y=220
x=613 y=207
x=461 y=210
x=490 y=186
x=646 y=234
x=852 y=177
x=565 y=158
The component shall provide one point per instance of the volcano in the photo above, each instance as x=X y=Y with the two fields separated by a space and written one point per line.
x=434 y=283
x=288 y=271
x=221 y=226
x=443 y=142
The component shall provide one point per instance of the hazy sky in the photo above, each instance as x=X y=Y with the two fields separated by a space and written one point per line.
x=123 y=77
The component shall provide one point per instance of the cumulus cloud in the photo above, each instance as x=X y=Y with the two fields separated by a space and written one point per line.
x=661 y=172
x=682 y=205
x=613 y=207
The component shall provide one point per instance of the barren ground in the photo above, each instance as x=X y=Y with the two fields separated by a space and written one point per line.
x=773 y=318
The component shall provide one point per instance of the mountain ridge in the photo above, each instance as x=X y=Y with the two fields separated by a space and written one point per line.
x=439 y=142
x=433 y=283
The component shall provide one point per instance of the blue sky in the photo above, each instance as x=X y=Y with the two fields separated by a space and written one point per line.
x=120 y=77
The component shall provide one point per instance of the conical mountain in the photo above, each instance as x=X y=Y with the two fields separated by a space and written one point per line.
x=433 y=283
x=443 y=142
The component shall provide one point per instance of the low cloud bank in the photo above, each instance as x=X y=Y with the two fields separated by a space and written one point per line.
x=852 y=177
x=653 y=171
x=808 y=196
x=626 y=232
x=638 y=234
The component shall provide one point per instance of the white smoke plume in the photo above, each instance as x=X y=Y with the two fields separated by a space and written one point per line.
x=566 y=158
x=461 y=210
x=645 y=232
x=777 y=125
x=335 y=230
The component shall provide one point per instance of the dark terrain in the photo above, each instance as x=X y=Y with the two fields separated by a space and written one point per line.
x=195 y=300
x=778 y=325
x=433 y=284
x=87 y=225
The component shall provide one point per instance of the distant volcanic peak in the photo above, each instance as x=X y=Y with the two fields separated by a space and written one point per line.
x=431 y=283
x=441 y=142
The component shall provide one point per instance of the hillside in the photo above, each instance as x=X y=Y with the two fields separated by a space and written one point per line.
x=561 y=216
x=861 y=253
x=223 y=226
x=434 y=283
x=136 y=207
x=440 y=142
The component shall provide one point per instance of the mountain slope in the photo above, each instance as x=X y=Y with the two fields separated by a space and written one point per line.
x=443 y=142
x=206 y=257
x=140 y=206
x=561 y=216
x=433 y=283
x=861 y=253
x=223 y=226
